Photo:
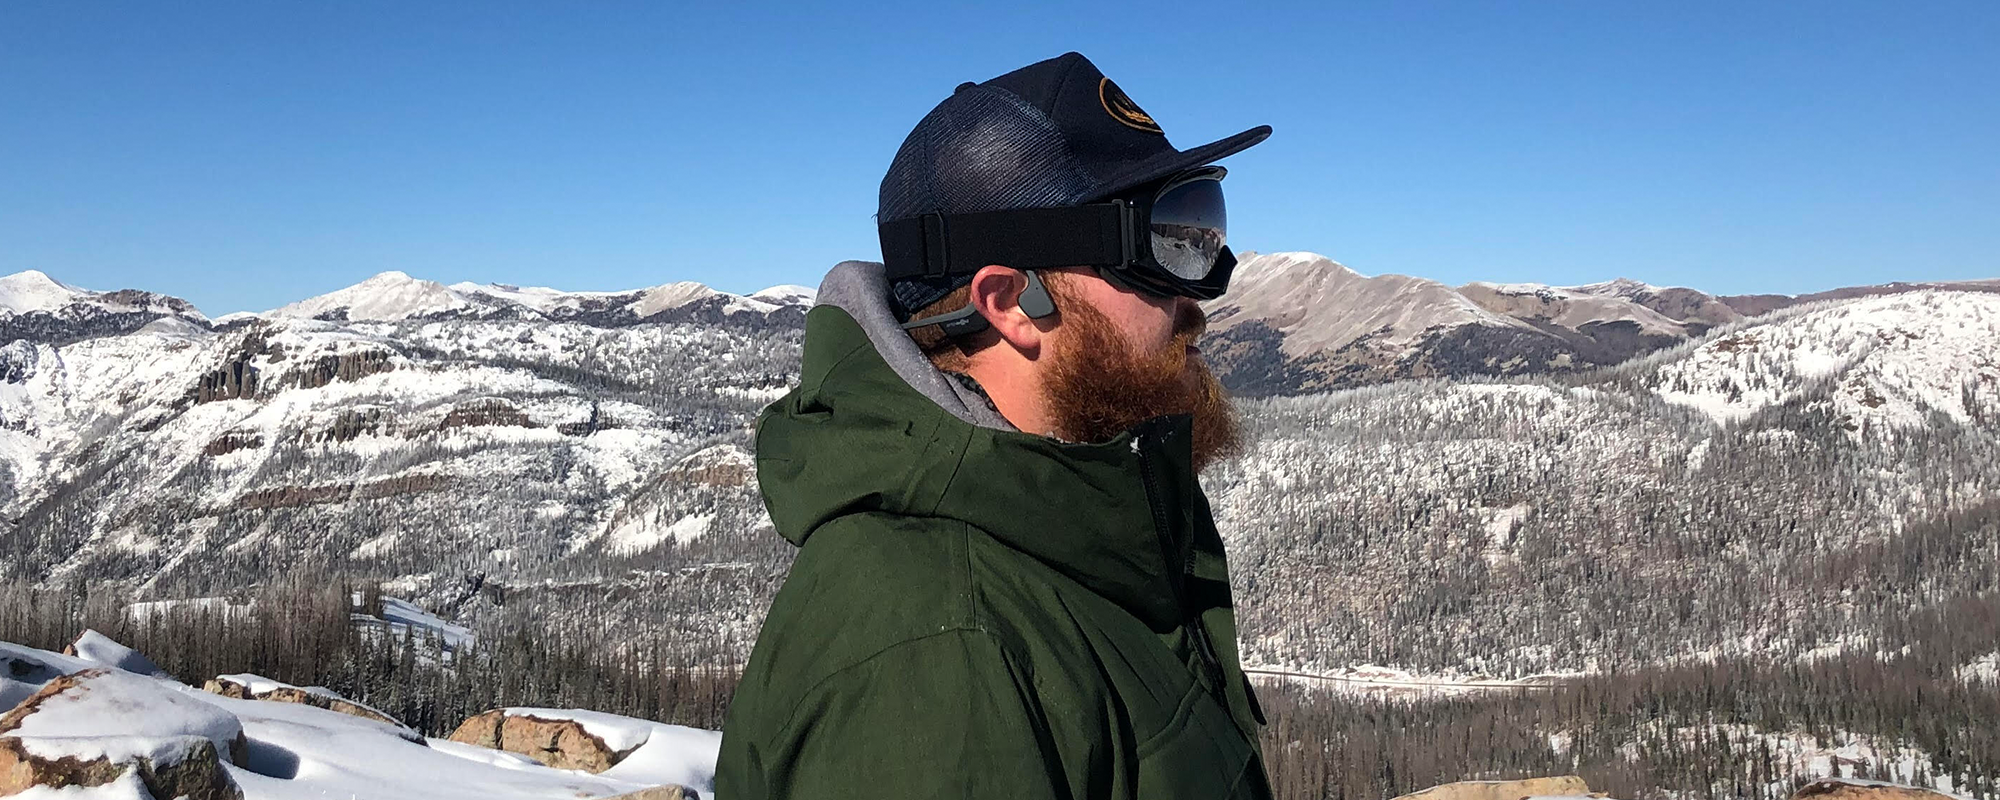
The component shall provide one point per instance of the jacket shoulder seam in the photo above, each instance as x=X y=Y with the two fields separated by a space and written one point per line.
x=792 y=718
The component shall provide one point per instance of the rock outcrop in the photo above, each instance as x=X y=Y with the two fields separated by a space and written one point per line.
x=176 y=766
x=173 y=744
x=559 y=743
x=1837 y=789
x=1569 y=785
x=250 y=687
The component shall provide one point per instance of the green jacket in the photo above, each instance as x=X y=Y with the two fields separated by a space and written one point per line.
x=980 y=612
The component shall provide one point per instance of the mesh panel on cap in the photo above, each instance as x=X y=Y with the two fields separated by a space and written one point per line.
x=982 y=149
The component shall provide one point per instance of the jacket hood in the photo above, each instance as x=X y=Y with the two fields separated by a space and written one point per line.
x=873 y=427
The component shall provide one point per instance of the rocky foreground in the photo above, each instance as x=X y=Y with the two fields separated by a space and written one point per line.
x=101 y=722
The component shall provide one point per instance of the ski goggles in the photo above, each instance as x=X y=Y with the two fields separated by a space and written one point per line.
x=1169 y=240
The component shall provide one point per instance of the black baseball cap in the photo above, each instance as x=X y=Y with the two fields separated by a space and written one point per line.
x=1053 y=133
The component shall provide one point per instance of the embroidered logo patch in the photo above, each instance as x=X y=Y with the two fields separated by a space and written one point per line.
x=1122 y=108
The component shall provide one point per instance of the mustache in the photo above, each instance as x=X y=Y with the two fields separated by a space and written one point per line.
x=1190 y=322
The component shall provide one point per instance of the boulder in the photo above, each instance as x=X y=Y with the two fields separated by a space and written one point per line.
x=1838 y=789
x=559 y=743
x=1569 y=785
x=186 y=767
x=252 y=687
x=173 y=743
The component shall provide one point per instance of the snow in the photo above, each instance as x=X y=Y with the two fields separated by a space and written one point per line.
x=402 y=616
x=258 y=684
x=395 y=296
x=671 y=296
x=673 y=754
x=1984 y=669
x=1616 y=287
x=23 y=670
x=32 y=290
x=1833 y=756
x=299 y=751
x=787 y=295
x=386 y=296
x=1371 y=679
x=639 y=535
x=127 y=786
x=296 y=752
x=1573 y=308
x=226 y=606
x=100 y=649
x=150 y=719
x=1893 y=360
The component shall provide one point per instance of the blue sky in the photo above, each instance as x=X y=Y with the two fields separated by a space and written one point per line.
x=244 y=155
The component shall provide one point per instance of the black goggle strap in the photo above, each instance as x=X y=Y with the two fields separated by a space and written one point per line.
x=1035 y=302
x=938 y=245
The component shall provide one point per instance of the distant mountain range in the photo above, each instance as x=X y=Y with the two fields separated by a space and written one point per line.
x=498 y=450
x=1297 y=322
x=394 y=296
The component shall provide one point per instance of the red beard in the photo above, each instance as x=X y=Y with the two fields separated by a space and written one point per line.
x=1097 y=387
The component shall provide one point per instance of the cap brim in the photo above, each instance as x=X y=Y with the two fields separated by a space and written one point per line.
x=1167 y=164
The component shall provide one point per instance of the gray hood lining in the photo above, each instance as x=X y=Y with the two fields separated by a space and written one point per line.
x=860 y=289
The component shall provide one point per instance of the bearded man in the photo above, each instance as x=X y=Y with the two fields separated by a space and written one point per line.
x=1009 y=583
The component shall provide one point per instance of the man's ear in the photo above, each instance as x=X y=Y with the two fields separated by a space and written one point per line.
x=996 y=293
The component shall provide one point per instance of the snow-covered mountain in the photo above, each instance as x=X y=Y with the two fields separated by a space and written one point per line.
x=36 y=306
x=1299 y=321
x=395 y=296
x=494 y=449
x=1751 y=305
x=1814 y=479
x=436 y=432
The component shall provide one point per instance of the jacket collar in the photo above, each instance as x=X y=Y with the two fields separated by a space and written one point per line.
x=1121 y=517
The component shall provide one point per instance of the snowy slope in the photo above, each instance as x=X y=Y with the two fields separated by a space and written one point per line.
x=433 y=449
x=1891 y=360
x=1570 y=308
x=1300 y=321
x=33 y=290
x=1319 y=304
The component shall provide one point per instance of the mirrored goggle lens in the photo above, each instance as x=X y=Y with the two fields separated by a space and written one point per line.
x=1189 y=227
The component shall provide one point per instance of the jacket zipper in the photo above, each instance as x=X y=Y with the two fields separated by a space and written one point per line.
x=1179 y=561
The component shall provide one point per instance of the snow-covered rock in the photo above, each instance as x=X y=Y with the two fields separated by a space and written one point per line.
x=25 y=670
x=91 y=727
x=100 y=649
x=246 y=686
x=608 y=744
x=76 y=706
x=100 y=733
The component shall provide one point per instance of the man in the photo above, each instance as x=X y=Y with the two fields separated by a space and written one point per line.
x=1009 y=583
